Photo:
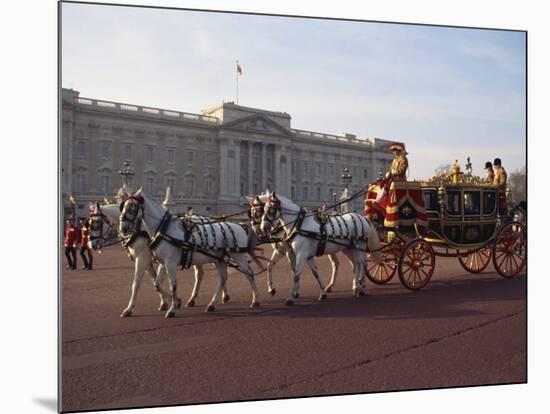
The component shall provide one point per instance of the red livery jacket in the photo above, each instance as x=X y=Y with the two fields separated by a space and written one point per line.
x=85 y=236
x=72 y=236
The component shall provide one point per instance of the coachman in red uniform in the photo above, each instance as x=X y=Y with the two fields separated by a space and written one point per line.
x=72 y=240
x=85 y=248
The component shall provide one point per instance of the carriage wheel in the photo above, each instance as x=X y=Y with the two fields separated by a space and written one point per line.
x=510 y=250
x=477 y=260
x=416 y=265
x=381 y=273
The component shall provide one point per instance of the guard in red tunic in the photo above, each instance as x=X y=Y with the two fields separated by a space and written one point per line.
x=85 y=248
x=72 y=240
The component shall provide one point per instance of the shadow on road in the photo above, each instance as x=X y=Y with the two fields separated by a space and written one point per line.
x=440 y=299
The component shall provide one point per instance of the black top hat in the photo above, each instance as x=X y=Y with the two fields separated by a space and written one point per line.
x=488 y=165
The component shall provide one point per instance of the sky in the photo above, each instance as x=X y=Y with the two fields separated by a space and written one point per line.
x=447 y=93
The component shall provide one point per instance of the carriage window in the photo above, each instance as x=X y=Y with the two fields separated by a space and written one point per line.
x=430 y=200
x=453 y=202
x=489 y=202
x=472 y=202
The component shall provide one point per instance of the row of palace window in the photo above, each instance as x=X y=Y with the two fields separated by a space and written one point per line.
x=105 y=153
x=332 y=170
x=150 y=187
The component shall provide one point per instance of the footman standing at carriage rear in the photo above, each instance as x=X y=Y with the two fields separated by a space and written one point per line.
x=72 y=239
x=500 y=180
x=85 y=248
x=490 y=174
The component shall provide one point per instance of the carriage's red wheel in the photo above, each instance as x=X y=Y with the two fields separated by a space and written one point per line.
x=416 y=265
x=510 y=250
x=381 y=273
x=477 y=260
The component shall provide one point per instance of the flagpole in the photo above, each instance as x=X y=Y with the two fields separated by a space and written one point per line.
x=237 y=81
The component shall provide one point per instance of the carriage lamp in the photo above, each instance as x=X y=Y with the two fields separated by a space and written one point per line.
x=441 y=196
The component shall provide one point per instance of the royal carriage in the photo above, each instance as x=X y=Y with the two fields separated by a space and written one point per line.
x=449 y=216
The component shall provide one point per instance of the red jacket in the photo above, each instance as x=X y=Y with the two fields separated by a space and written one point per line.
x=72 y=236
x=85 y=236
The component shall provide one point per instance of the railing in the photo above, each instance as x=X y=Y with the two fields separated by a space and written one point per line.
x=349 y=140
x=129 y=108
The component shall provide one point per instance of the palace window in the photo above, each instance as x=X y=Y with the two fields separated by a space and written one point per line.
x=293 y=167
x=269 y=164
x=81 y=149
x=210 y=156
x=105 y=184
x=331 y=170
x=292 y=192
x=190 y=187
x=150 y=186
x=149 y=154
x=306 y=168
x=365 y=173
x=318 y=167
x=208 y=188
x=105 y=150
x=128 y=152
x=170 y=182
x=189 y=157
x=170 y=155
x=80 y=183
x=318 y=194
x=305 y=195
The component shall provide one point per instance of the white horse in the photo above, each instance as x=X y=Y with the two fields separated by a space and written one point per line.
x=282 y=248
x=213 y=243
x=349 y=233
x=102 y=220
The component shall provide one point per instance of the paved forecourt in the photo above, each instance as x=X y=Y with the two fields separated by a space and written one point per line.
x=461 y=329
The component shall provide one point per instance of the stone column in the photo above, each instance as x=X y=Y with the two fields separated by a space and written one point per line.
x=263 y=167
x=237 y=169
x=224 y=190
x=251 y=167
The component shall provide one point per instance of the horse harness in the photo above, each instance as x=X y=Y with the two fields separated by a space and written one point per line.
x=323 y=236
x=189 y=245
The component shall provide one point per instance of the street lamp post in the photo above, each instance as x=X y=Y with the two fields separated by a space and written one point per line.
x=126 y=173
x=346 y=179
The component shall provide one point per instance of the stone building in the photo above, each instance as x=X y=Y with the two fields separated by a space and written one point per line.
x=210 y=160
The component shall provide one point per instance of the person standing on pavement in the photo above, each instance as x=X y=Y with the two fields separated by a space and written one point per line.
x=85 y=249
x=72 y=240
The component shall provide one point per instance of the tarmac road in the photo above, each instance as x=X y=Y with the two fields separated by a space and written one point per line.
x=461 y=329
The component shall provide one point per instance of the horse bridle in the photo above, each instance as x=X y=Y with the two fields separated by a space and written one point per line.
x=102 y=219
x=133 y=210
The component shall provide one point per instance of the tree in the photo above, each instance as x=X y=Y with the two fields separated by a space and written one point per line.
x=443 y=169
x=517 y=182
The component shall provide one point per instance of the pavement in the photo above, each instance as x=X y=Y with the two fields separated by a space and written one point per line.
x=461 y=329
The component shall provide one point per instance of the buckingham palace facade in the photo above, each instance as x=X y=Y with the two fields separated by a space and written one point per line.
x=210 y=160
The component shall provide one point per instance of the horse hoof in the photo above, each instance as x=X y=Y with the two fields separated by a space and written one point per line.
x=126 y=313
x=296 y=295
x=178 y=303
x=272 y=292
x=361 y=293
x=328 y=289
x=225 y=299
x=210 y=308
x=255 y=304
x=289 y=302
x=170 y=314
x=163 y=307
x=323 y=297
x=190 y=303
